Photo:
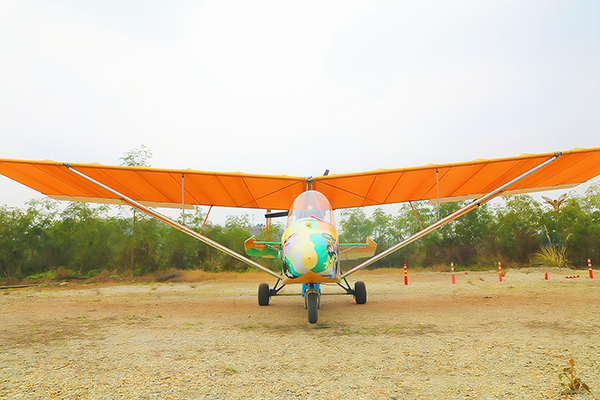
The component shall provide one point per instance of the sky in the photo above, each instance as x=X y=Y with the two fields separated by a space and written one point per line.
x=295 y=88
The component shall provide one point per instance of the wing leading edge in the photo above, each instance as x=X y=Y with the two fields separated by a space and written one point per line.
x=172 y=188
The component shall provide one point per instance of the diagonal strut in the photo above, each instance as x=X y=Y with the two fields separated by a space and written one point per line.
x=448 y=218
x=176 y=224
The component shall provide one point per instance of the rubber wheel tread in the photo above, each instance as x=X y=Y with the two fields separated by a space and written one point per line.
x=263 y=294
x=313 y=307
x=360 y=292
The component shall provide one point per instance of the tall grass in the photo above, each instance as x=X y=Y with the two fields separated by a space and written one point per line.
x=552 y=254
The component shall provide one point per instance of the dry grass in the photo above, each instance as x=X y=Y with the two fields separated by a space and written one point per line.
x=62 y=273
x=552 y=255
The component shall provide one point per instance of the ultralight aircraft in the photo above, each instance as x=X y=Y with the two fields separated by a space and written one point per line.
x=309 y=248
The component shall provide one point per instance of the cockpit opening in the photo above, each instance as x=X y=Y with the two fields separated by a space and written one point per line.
x=311 y=204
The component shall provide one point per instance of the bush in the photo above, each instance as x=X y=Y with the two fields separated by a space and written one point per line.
x=42 y=276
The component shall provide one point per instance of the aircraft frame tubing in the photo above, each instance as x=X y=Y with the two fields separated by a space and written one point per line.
x=274 y=291
x=449 y=218
x=175 y=224
x=347 y=287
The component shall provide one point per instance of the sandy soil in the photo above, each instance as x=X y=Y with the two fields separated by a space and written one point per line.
x=477 y=339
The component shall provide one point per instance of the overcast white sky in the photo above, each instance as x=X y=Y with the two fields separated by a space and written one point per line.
x=295 y=88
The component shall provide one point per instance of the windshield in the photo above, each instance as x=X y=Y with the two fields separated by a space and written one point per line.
x=311 y=204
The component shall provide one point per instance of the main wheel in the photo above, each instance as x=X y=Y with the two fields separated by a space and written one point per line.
x=263 y=294
x=360 y=292
x=313 y=307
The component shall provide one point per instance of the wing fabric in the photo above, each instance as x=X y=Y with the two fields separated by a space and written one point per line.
x=459 y=181
x=164 y=187
x=156 y=187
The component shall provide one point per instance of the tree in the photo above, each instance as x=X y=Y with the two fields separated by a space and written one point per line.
x=518 y=229
x=354 y=226
x=14 y=249
x=579 y=219
x=139 y=157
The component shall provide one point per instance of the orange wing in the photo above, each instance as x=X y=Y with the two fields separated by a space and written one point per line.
x=459 y=181
x=163 y=187
x=156 y=187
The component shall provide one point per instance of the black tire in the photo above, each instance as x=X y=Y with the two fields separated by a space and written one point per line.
x=313 y=307
x=263 y=294
x=360 y=292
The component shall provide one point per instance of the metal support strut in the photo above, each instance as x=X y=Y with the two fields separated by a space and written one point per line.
x=451 y=217
x=175 y=224
x=346 y=286
x=182 y=199
x=275 y=289
x=437 y=186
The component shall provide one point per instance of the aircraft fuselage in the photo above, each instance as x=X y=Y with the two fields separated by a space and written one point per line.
x=310 y=241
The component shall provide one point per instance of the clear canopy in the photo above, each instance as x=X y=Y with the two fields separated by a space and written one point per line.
x=311 y=204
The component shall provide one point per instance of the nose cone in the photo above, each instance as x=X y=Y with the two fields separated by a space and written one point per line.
x=309 y=256
x=303 y=256
x=309 y=248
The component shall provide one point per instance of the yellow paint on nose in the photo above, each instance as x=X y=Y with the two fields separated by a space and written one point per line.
x=309 y=256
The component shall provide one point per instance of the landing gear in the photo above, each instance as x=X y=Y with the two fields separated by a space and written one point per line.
x=313 y=307
x=312 y=303
x=360 y=292
x=264 y=294
x=312 y=295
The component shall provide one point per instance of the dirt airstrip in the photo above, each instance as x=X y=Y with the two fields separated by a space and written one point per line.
x=477 y=339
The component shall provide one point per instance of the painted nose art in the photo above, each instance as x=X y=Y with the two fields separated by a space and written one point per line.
x=309 y=256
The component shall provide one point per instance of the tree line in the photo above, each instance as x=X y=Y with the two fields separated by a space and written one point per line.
x=513 y=229
x=83 y=240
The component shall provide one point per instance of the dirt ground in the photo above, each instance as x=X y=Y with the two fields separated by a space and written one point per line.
x=476 y=339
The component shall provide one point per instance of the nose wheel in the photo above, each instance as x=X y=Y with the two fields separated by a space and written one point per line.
x=312 y=303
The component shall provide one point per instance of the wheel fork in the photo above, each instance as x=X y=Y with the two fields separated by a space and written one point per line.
x=311 y=289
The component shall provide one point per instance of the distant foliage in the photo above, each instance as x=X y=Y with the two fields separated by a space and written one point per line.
x=517 y=230
x=139 y=157
x=83 y=240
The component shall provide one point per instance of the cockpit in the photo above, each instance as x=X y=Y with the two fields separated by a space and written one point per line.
x=311 y=204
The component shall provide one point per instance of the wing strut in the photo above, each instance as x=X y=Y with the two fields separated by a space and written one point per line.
x=411 y=206
x=446 y=219
x=182 y=199
x=437 y=186
x=176 y=224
